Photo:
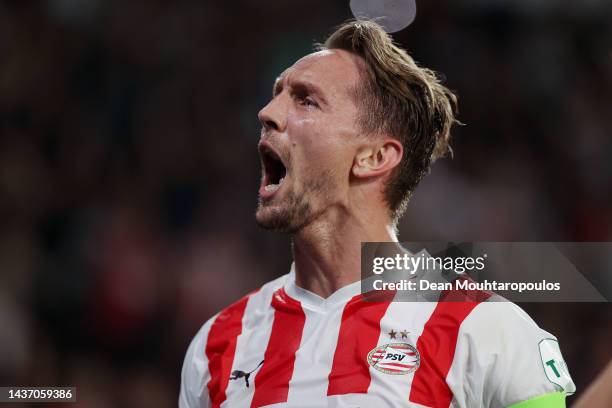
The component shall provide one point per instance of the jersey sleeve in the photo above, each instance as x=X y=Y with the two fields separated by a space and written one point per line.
x=195 y=374
x=503 y=359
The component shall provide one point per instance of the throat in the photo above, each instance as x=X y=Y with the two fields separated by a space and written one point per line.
x=327 y=255
x=324 y=269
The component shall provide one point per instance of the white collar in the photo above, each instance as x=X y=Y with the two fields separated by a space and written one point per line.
x=315 y=302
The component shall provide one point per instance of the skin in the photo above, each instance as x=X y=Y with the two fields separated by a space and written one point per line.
x=331 y=199
x=599 y=393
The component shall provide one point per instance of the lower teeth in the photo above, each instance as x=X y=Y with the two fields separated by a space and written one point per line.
x=272 y=187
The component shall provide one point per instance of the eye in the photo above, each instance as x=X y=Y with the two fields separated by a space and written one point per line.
x=306 y=100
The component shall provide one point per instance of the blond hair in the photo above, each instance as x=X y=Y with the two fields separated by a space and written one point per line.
x=401 y=99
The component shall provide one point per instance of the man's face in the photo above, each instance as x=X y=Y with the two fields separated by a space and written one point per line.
x=308 y=141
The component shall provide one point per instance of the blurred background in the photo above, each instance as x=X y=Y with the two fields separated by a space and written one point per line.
x=129 y=170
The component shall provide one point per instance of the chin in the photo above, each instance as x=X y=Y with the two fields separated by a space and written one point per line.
x=273 y=219
x=285 y=219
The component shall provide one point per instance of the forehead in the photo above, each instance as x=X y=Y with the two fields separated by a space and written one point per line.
x=332 y=70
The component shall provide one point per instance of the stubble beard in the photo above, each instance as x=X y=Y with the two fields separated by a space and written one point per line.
x=296 y=210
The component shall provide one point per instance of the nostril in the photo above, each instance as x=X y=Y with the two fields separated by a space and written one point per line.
x=270 y=124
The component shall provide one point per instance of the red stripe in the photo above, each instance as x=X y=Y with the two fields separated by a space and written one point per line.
x=221 y=347
x=395 y=365
x=395 y=370
x=359 y=333
x=272 y=380
x=437 y=348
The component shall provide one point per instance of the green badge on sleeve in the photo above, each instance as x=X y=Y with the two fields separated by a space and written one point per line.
x=554 y=365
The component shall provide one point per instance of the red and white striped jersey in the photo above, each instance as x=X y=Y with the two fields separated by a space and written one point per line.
x=346 y=352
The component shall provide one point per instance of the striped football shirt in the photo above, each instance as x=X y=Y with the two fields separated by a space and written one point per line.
x=283 y=346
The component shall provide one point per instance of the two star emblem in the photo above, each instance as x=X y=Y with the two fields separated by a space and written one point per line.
x=393 y=334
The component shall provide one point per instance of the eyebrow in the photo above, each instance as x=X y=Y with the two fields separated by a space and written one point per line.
x=277 y=85
x=300 y=86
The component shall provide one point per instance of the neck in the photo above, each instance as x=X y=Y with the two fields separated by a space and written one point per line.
x=327 y=253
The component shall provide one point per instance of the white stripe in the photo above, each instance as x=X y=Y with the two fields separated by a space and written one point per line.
x=314 y=358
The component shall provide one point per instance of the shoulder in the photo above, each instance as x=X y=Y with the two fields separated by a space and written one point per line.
x=234 y=315
x=507 y=356
x=501 y=333
x=255 y=301
x=498 y=317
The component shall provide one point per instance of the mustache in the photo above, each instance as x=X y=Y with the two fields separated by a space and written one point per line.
x=267 y=135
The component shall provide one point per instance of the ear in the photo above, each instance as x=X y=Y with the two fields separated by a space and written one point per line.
x=378 y=158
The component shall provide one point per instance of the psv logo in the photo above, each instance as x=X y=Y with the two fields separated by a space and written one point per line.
x=394 y=358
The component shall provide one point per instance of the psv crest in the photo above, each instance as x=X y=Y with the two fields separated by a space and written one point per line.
x=394 y=358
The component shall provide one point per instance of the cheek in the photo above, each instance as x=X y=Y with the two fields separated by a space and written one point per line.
x=321 y=146
x=326 y=161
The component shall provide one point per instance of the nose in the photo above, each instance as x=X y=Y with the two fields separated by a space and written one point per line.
x=273 y=116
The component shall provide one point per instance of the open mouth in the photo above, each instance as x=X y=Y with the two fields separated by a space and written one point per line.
x=274 y=170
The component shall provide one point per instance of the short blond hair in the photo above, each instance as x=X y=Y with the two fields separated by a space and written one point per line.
x=401 y=99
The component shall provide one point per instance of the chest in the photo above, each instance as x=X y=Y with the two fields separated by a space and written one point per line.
x=332 y=359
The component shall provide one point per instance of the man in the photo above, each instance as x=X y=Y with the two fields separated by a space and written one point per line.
x=349 y=133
